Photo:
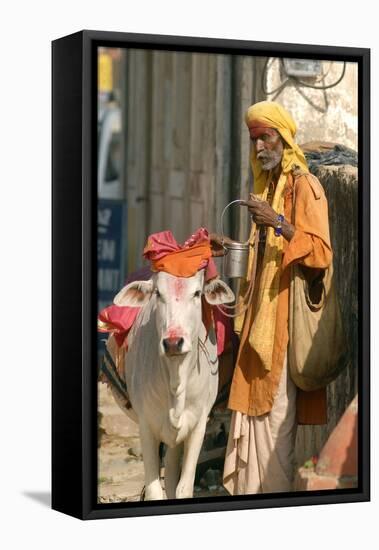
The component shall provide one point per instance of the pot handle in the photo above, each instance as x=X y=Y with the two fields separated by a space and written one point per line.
x=222 y=219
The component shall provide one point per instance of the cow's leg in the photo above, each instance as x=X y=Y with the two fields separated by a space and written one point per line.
x=150 y=453
x=192 y=447
x=172 y=469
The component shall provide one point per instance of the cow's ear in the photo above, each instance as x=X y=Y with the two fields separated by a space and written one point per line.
x=217 y=292
x=134 y=294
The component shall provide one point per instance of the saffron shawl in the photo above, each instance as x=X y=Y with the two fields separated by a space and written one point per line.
x=268 y=114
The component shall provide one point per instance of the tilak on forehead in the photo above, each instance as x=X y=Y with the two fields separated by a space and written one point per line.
x=165 y=254
x=260 y=130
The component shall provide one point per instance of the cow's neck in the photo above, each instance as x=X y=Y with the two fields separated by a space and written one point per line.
x=178 y=372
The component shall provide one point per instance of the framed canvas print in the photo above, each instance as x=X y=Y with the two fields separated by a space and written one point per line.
x=210 y=274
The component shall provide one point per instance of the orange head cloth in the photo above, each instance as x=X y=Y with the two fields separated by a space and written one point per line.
x=165 y=254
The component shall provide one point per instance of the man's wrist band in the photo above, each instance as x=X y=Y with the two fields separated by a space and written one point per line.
x=278 y=227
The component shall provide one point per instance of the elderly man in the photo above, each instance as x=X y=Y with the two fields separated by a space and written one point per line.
x=289 y=209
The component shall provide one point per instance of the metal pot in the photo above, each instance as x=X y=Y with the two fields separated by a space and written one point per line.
x=236 y=253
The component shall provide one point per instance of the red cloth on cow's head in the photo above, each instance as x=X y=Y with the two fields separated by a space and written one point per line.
x=165 y=254
x=120 y=319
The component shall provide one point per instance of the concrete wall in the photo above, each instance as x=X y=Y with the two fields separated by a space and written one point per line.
x=340 y=121
x=341 y=188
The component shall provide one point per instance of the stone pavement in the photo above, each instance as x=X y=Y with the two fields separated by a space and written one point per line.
x=120 y=465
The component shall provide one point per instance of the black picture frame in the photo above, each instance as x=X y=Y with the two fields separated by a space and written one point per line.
x=74 y=201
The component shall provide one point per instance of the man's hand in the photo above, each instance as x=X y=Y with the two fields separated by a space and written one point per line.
x=217 y=242
x=261 y=212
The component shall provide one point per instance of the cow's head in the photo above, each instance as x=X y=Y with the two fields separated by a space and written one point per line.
x=178 y=306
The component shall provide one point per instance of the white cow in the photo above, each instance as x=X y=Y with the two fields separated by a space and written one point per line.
x=171 y=371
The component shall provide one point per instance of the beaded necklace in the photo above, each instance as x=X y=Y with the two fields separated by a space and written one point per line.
x=263 y=228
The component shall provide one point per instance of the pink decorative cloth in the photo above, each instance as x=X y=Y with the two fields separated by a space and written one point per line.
x=119 y=319
x=165 y=254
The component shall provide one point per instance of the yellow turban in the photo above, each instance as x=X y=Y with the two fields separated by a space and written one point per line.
x=268 y=114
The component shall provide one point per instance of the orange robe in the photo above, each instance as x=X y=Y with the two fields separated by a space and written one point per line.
x=253 y=388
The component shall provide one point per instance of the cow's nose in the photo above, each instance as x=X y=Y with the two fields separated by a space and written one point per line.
x=173 y=346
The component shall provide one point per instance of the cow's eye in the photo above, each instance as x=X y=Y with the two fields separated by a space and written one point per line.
x=157 y=293
x=197 y=294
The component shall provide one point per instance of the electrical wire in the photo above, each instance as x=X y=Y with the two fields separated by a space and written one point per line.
x=321 y=110
x=325 y=87
x=325 y=74
x=263 y=79
x=296 y=80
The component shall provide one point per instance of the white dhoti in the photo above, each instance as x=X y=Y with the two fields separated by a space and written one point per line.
x=261 y=449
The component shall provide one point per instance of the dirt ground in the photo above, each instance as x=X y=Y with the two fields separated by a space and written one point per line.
x=120 y=466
